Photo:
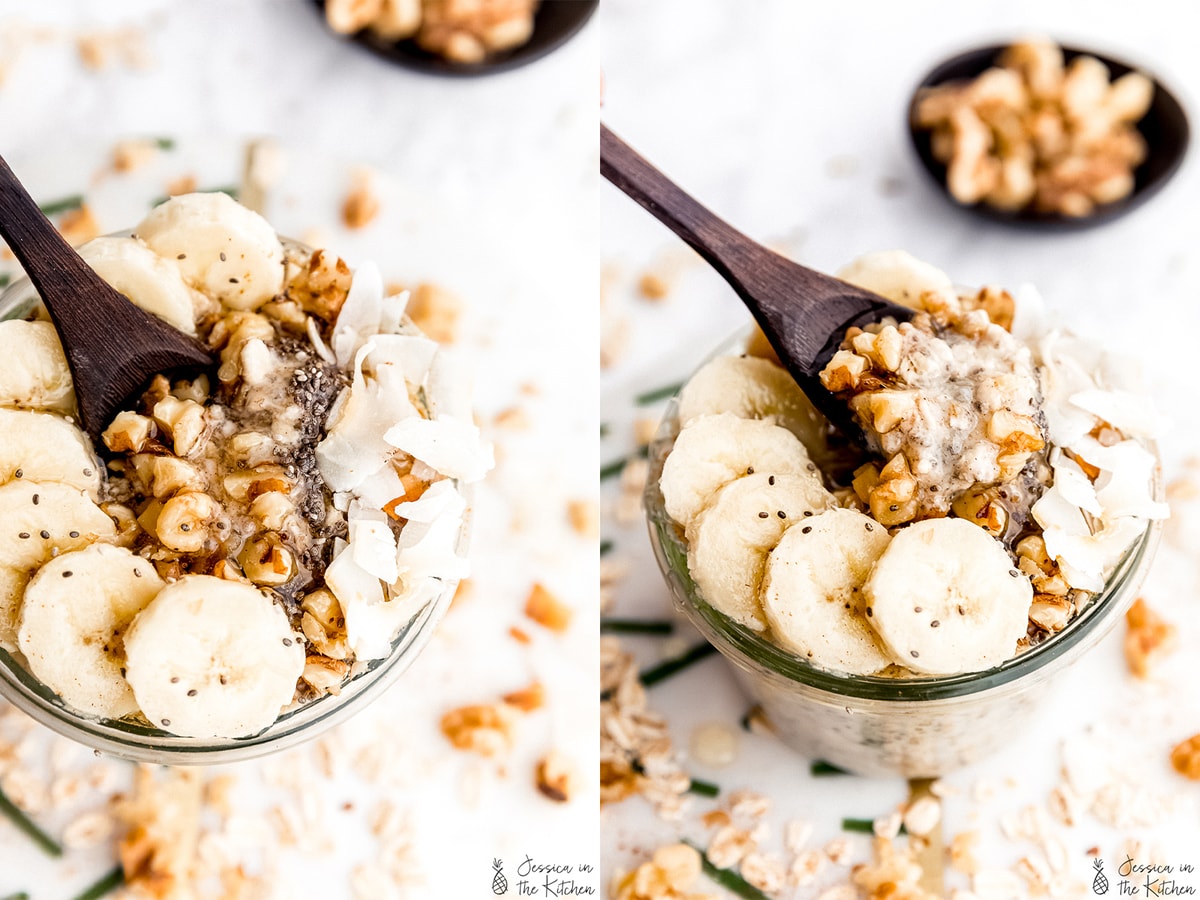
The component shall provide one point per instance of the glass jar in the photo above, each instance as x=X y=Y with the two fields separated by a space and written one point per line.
x=136 y=740
x=919 y=727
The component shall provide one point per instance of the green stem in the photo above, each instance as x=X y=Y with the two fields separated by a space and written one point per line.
x=671 y=666
x=605 y=546
x=820 y=767
x=703 y=788
x=864 y=826
x=112 y=880
x=728 y=879
x=634 y=626
x=27 y=825
x=73 y=201
x=661 y=393
x=165 y=143
x=617 y=466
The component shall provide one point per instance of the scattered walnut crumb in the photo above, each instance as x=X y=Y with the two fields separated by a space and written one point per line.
x=644 y=429
x=1186 y=758
x=129 y=155
x=519 y=636
x=669 y=875
x=547 y=610
x=557 y=777
x=77 y=226
x=162 y=818
x=119 y=46
x=465 y=589
x=186 y=184
x=1148 y=640
x=653 y=286
x=893 y=874
x=435 y=311
x=485 y=729
x=527 y=699
x=962 y=852
x=361 y=206
x=715 y=818
x=584 y=516
x=513 y=417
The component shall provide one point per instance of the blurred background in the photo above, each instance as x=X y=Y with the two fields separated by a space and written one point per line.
x=790 y=120
x=482 y=190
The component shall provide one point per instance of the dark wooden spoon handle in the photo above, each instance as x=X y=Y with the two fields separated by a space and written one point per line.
x=111 y=345
x=803 y=312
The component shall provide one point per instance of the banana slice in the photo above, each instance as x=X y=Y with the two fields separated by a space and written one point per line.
x=222 y=248
x=898 y=276
x=212 y=658
x=812 y=591
x=729 y=541
x=44 y=447
x=73 y=623
x=946 y=598
x=35 y=373
x=712 y=451
x=144 y=277
x=38 y=522
x=753 y=388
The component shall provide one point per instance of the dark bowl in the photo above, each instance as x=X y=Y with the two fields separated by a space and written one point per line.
x=1165 y=128
x=554 y=23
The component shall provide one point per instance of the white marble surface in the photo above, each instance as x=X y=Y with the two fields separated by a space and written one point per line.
x=487 y=187
x=788 y=119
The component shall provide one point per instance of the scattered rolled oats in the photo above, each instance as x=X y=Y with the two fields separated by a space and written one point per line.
x=922 y=816
x=162 y=827
x=669 y=875
x=584 y=516
x=962 y=852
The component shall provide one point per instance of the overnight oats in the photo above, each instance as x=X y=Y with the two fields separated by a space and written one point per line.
x=896 y=604
x=251 y=546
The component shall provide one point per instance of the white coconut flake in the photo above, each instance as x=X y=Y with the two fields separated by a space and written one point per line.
x=377 y=624
x=392 y=313
x=372 y=544
x=440 y=498
x=448 y=389
x=1130 y=413
x=360 y=314
x=1126 y=482
x=1073 y=483
x=453 y=447
x=381 y=488
x=319 y=345
x=256 y=361
x=1054 y=512
x=430 y=549
x=412 y=354
x=355 y=589
x=1029 y=314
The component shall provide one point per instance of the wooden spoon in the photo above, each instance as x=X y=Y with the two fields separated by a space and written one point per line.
x=803 y=313
x=113 y=347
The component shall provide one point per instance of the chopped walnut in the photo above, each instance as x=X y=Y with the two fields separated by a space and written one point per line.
x=483 y=729
x=557 y=777
x=1186 y=758
x=435 y=311
x=1148 y=640
x=527 y=699
x=1036 y=133
x=133 y=154
x=78 y=226
x=361 y=206
x=584 y=516
x=547 y=610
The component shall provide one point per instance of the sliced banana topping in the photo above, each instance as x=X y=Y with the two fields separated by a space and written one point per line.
x=38 y=522
x=753 y=388
x=151 y=282
x=729 y=541
x=945 y=597
x=73 y=621
x=222 y=248
x=812 y=591
x=44 y=447
x=712 y=451
x=35 y=373
x=898 y=276
x=212 y=658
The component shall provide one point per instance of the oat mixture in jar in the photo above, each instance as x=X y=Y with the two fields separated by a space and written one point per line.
x=1008 y=471
x=255 y=535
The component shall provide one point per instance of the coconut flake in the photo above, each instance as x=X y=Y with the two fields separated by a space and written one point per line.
x=1086 y=560
x=360 y=314
x=1130 y=413
x=453 y=447
x=440 y=498
x=377 y=624
x=412 y=354
x=372 y=544
x=448 y=389
x=430 y=549
x=1125 y=484
x=256 y=361
x=392 y=313
x=319 y=345
x=381 y=488
x=1073 y=483
x=356 y=589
